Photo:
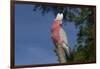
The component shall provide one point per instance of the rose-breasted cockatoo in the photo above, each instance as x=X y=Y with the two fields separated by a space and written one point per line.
x=59 y=35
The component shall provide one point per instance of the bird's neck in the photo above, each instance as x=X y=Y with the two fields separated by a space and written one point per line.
x=56 y=25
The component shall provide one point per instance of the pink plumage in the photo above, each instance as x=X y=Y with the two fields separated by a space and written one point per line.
x=55 y=31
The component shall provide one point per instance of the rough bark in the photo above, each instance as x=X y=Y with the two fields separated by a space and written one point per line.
x=61 y=54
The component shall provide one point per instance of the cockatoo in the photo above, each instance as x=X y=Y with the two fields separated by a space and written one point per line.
x=59 y=35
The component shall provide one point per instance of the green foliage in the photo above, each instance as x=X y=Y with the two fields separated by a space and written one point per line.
x=86 y=41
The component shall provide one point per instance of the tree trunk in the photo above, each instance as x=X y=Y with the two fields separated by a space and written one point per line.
x=61 y=54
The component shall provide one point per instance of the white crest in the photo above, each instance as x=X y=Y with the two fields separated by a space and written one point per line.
x=59 y=16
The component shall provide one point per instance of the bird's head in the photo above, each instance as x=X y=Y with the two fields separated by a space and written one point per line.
x=59 y=17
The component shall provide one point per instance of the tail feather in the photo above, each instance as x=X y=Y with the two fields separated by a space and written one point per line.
x=66 y=48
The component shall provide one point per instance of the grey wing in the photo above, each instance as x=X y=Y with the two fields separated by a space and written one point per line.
x=63 y=36
x=65 y=45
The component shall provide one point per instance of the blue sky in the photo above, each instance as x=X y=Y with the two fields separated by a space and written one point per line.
x=33 y=43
